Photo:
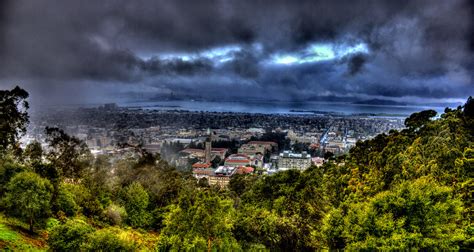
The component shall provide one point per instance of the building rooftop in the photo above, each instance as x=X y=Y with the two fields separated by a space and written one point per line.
x=225 y=171
x=289 y=154
x=238 y=160
x=245 y=170
x=262 y=142
x=201 y=165
x=203 y=171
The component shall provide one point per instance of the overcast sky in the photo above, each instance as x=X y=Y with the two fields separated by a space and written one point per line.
x=111 y=50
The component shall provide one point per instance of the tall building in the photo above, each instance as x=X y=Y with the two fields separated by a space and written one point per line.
x=208 y=146
x=289 y=160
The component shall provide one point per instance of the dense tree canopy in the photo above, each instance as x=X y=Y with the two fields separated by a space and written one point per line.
x=136 y=204
x=199 y=221
x=415 y=214
x=13 y=116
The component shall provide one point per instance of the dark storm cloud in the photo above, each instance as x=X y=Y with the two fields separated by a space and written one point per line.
x=415 y=48
x=245 y=63
x=356 y=62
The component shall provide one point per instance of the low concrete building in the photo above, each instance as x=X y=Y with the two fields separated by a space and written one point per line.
x=200 y=153
x=253 y=147
x=236 y=160
x=200 y=173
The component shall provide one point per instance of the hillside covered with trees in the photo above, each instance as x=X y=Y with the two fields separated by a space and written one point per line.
x=406 y=189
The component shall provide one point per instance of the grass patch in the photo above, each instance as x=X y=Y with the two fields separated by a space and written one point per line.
x=14 y=237
x=6 y=234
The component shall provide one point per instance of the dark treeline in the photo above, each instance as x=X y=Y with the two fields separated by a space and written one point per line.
x=406 y=189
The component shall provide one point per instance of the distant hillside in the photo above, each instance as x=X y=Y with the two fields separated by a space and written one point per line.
x=380 y=102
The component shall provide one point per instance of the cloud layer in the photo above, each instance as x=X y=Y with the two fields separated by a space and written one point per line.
x=223 y=49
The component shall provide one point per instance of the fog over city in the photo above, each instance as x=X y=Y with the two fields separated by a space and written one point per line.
x=69 y=52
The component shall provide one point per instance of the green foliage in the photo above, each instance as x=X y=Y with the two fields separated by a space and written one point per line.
x=52 y=223
x=259 y=226
x=115 y=214
x=419 y=119
x=12 y=237
x=334 y=229
x=468 y=111
x=6 y=234
x=70 y=236
x=33 y=152
x=8 y=169
x=69 y=155
x=136 y=204
x=13 y=116
x=292 y=204
x=107 y=240
x=47 y=170
x=28 y=197
x=464 y=164
x=199 y=221
x=99 y=180
x=408 y=189
x=88 y=202
x=335 y=182
x=203 y=182
x=415 y=214
x=66 y=201
x=162 y=182
x=239 y=183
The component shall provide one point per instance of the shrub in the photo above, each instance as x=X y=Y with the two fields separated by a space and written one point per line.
x=115 y=214
x=107 y=240
x=69 y=236
x=67 y=201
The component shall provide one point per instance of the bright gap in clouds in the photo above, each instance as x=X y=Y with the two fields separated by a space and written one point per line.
x=221 y=54
x=285 y=59
x=317 y=53
x=216 y=55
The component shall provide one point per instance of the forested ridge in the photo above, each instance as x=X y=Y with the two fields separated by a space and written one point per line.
x=408 y=189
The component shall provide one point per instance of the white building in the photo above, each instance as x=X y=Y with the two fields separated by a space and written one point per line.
x=289 y=160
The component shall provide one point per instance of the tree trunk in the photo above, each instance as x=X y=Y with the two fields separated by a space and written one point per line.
x=31 y=225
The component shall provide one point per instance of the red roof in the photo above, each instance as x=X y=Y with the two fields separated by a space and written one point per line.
x=238 y=160
x=238 y=155
x=244 y=170
x=201 y=165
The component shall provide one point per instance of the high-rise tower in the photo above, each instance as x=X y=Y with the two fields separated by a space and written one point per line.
x=208 y=146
